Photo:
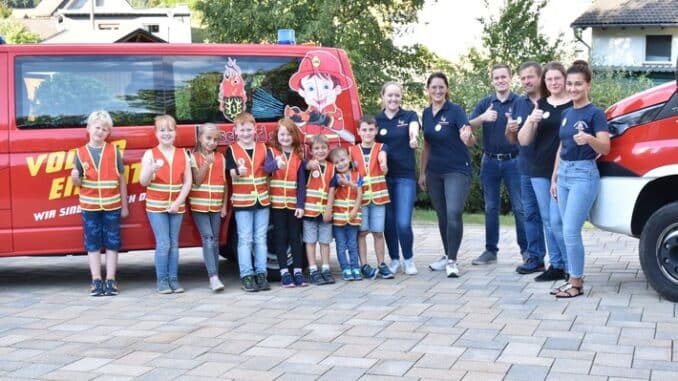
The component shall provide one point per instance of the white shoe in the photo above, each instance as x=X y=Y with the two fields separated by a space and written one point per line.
x=451 y=269
x=215 y=284
x=410 y=268
x=438 y=265
x=394 y=266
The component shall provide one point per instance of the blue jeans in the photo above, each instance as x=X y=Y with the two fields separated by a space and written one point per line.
x=553 y=224
x=209 y=226
x=448 y=194
x=398 y=228
x=252 y=227
x=346 y=239
x=534 y=227
x=166 y=231
x=492 y=172
x=578 y=186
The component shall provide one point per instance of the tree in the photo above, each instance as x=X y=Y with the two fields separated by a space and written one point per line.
x=15 y=33
x=365 y=29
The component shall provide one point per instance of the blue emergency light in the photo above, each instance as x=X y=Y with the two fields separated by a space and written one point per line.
x=286 y=37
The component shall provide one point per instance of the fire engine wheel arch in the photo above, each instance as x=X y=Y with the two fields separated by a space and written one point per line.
x=659 y=251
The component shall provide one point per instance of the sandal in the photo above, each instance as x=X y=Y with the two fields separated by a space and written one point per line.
x=560 y=288
x=565 y=293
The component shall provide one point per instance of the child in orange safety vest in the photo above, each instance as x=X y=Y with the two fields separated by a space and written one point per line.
x=99 y=171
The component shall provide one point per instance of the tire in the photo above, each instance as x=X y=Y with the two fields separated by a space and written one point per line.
x=659 y=251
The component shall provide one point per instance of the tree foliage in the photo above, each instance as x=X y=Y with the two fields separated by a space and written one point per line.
x=365 y=29
x=15 y=33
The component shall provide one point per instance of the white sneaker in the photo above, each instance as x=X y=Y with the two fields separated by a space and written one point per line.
x=438 y=265
x=410 y=268
x=394 y=266
x=215 y=284
x=451 y=269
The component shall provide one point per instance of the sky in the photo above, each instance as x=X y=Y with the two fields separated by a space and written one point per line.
x=450 y=27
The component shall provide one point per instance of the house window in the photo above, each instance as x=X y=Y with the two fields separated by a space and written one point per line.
x=152 y=28
x=658 y=48
x=109 y=26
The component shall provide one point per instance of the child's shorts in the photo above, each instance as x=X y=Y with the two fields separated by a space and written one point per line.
x=374 y=217
x=315 y=230
x=102 y=229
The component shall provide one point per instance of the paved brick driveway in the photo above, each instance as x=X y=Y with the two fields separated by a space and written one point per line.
x=490 y=324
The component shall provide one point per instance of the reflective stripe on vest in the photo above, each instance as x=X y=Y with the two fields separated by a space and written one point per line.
x=283 y=185
x=344 y=200
x=375 y=189
x=100 y=189
x=167 y=182
x=316 y=191
x=209 y=196
x=249 y=189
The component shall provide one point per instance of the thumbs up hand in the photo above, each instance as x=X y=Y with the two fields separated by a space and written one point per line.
x=536 y=116
x=280 y=161
x=490 y=115
x=511 y=124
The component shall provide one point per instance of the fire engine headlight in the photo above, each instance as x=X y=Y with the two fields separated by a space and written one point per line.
x=620 y=124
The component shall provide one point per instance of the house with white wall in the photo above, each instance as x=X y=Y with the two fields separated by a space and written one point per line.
x=637 y=35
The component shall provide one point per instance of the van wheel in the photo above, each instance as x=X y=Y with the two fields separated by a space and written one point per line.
x=659 y=251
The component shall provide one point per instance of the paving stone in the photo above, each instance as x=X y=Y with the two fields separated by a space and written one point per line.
x=527 y=373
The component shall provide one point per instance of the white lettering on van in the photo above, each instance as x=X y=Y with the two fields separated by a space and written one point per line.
x=44 y=215
x=67 y=211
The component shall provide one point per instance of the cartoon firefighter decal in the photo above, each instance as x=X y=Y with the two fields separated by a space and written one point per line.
x=319 y=80
x=232 y=95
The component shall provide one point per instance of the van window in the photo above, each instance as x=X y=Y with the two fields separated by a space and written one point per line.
x=61 y=91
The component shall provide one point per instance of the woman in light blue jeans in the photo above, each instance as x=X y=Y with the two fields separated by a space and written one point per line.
x=583 y=137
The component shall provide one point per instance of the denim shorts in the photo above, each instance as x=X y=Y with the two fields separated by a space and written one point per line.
x=102 y=229
x=374 y=217
x=315 y=230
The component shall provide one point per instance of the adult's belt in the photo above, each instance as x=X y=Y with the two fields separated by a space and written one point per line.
x=502 y=156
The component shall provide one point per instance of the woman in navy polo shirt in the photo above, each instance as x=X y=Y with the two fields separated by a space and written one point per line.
x=575 y=182
x=399 y=129
x=445 y=167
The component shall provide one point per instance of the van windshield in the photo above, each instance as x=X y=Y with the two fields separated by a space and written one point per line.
x=61 y=91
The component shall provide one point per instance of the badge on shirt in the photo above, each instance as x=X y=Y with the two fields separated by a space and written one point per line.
x=383 y=132
x=315 y=173
x=402 y=123
x=580 y=126
x=519 y=120
x=545 y=115
x=438 y=127
x=564 y=121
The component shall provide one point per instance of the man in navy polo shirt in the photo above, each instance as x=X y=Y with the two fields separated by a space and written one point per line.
x=530 y=80
x=499 y=162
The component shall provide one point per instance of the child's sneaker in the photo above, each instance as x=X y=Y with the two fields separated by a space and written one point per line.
x=356 y=274
x=438 y=265
x=247 y=284
x=215 y=284
x=394 y=266
x=97 y=288
x=175 y=285
x=346 y=275
x=262 y=282
x=286 y=280
x=163 y=286
x=368 y=271
x=300 y=280
x=327 y=276
x=111 y=287
x=316 y=278
x=385 y=272
x=451 y=269
x=410 y=268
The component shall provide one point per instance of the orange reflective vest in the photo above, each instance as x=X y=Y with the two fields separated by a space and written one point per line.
x=317 y=187
x=344 y=200
x=100 y=189
x=374 y=182
x=209 y=196
x=283 y=185
x=166 y=185
x=247 y=190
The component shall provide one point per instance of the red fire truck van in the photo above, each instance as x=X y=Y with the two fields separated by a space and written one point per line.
x=639 y=182
x=48 y=91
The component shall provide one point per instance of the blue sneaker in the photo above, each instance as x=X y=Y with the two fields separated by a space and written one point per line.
x=327 y=276
x=368 y=271
x=316 y=277
x=385 y=272
x=97 y=288
x=347 y=275
x=356 y=274
x=164 y=286
x=300 y=280
x=286 y=280
x=111 y=287
x=533 y=265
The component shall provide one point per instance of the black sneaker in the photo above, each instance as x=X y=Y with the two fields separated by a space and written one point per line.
x=327 y=276
x=111 y=287
x=262 y=282
x=247 y=283
x=550 y=275
x=385 y=272
x=287 y=281
x=316 y=278
x=368 y=271
x=300 y=280
x=532 y=265
x=97 y=288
